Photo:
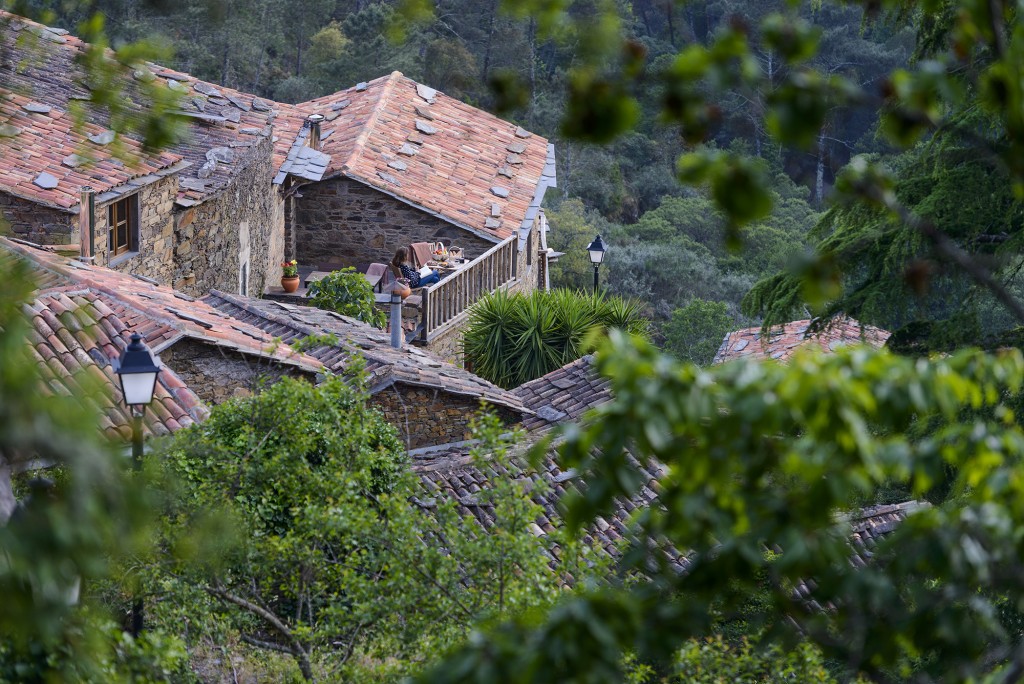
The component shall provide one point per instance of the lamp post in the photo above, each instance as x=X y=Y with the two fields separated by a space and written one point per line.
x=596 y=250
x=137 y=370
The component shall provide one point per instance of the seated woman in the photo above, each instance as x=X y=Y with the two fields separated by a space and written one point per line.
x=401 y=262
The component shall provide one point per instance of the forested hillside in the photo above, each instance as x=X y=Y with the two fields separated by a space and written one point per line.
x=666 y=240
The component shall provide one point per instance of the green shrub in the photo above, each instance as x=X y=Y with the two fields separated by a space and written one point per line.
x=515 y=338
x=715 y=661
x=695 y=331
x=347 y=292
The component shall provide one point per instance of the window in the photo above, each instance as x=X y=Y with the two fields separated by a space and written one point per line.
x=123 y=222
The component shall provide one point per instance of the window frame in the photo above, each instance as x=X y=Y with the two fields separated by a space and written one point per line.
x=124 y=211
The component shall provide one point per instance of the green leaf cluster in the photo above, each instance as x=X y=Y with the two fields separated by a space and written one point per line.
x=514 y=338
x=695 y=331
x=296 y=526
x=348 y=293
x=763 y=455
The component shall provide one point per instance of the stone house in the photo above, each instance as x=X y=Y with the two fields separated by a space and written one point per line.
x=430 y=401
x=196 y=216
x=401 y=162
x=339 y=181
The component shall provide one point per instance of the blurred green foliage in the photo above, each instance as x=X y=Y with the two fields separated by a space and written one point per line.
x=760 y=454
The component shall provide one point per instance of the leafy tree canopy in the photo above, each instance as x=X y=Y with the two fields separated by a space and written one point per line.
x=762 y=456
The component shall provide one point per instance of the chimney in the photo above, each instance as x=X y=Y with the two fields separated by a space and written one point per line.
x=396 y=317
x=87 y=224
x=313 y=140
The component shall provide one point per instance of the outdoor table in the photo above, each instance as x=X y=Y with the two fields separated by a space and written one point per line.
x=450 y=266
x=315 y=276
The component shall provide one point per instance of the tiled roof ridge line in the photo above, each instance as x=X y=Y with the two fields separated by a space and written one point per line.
x=297 y=326
x=371 y=120
x=20 y=248
x=176 y=324
x=390 y=380
x=176 y=167
x=868 y=512
x=514 y=453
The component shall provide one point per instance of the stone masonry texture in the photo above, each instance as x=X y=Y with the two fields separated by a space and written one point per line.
x=341 y=222
x=156 y=233
x=430 y=417
x=35 y=223
x=193 y=250
x=216 y=374
x=207 y=247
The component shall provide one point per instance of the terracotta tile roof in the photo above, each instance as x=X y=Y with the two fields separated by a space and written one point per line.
x=225 y=123
x=44 y=159
x=160 y=314
x=784 y=340
x=75 y=334
x=430 y=150
x=384 y=364
x=563 y=395
x=454 y=473
x=226 y=126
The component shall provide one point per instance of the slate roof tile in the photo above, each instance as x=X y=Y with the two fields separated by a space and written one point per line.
x=564 y=394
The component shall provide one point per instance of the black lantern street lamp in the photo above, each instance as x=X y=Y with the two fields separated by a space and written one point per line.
x=137 y=370
x=596 y=250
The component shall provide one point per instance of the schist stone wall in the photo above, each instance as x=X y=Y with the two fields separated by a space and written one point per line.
x=155 y=256
x=448 y=345
x=36 y=223
x=429 y=417
x=210 y=238
x=341 y=222
x=276 y=246
x=217 y=374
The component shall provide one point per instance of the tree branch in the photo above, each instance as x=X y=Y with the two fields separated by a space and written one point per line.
x=298 y=651
x=269 y=645
x=945 y=246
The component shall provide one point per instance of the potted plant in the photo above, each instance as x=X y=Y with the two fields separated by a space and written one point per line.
x=290 y=275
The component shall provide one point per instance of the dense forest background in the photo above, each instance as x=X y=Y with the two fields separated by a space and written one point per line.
x=666 y=239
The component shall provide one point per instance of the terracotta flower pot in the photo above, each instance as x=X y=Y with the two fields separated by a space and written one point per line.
x=290 y=284
x=402 y=288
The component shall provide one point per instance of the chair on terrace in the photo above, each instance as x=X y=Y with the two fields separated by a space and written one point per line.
x=382 y=272
x=421 y=253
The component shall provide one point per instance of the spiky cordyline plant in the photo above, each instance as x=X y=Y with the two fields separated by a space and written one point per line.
x=515 y=338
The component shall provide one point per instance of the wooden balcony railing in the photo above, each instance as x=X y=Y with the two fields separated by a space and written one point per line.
x=446 y=300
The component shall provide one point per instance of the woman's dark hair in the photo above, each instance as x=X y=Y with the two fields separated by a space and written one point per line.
x=401 y=256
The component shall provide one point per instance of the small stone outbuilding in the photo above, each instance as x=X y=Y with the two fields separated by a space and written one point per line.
x=430 y=401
